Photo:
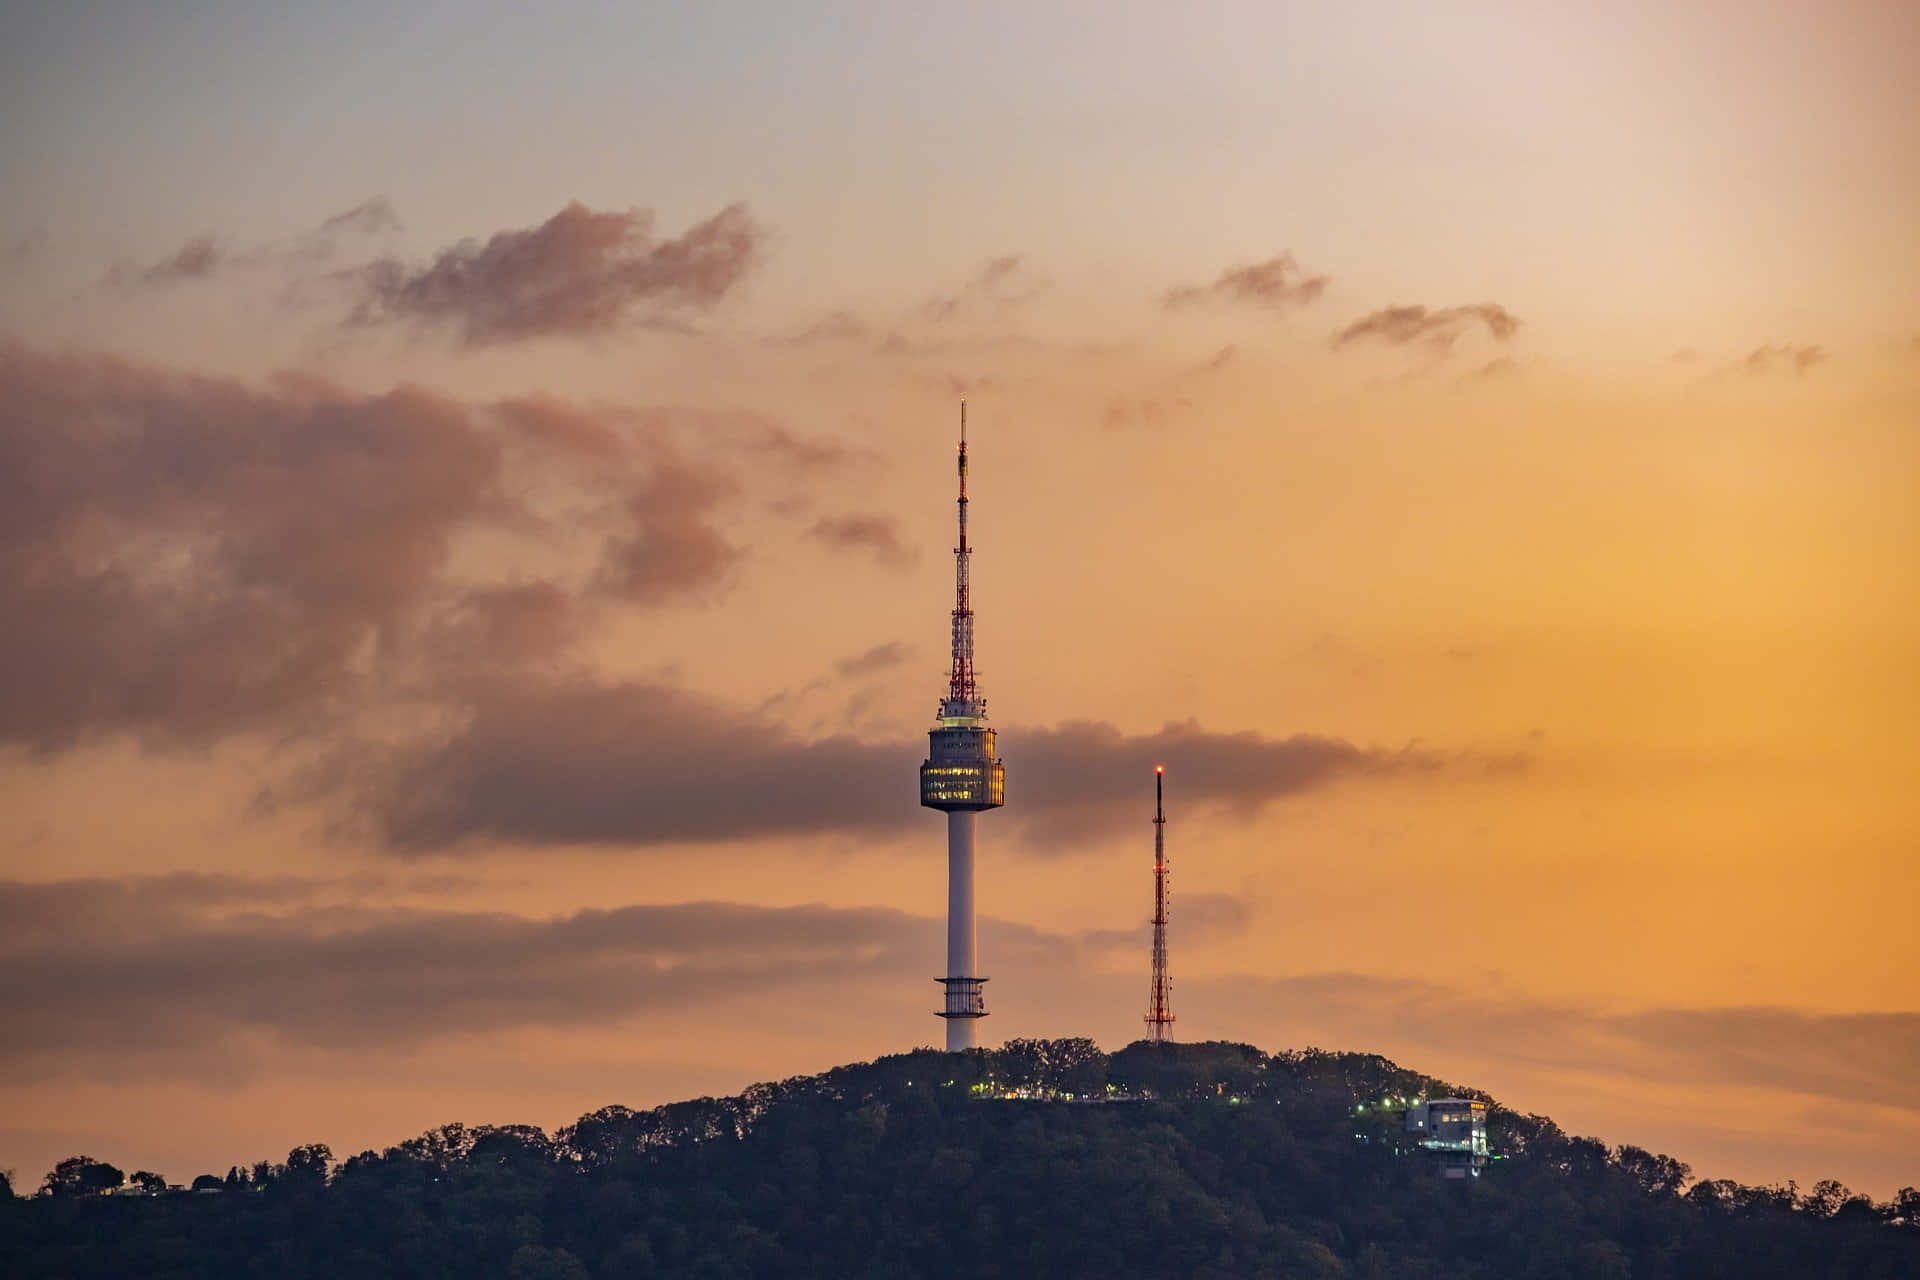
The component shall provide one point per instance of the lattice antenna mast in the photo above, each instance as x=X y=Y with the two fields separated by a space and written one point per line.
x=960 y=686
x=1160 y=996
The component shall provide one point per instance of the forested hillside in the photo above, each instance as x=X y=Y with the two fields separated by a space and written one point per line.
x=1045 y=1158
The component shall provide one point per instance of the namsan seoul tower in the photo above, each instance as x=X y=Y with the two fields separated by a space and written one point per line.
x=1160 y=994
x=962 y=776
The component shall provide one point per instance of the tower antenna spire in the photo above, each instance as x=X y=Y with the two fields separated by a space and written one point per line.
x=1160 y=995
x=960 y=684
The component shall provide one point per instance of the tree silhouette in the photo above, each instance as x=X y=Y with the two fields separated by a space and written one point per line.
x=82 y=1176
x=308 y=1164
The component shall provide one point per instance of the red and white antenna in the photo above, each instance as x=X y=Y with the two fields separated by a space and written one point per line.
x=1160 y=996
x=960 y=686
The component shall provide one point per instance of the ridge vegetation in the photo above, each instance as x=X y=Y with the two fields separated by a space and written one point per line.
x=1042 y=1158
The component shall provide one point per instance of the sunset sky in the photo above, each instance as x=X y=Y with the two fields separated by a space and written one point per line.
x=475 y=552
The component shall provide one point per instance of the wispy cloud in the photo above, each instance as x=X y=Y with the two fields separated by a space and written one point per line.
x=1150 y=412
x=18 y=257
x=999 y=284
x=1785 y=358
x=578 y=274
x=197 y=259
x=1437 y=328
x=669 y=546
x=369 y=217
x=1218 y=361
x=876 y=534
x=835 y=326
x=882 y=657
x=1276 y=284
x=204 y=257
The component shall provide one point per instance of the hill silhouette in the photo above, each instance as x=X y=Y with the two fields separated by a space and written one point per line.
x=1043 y=1158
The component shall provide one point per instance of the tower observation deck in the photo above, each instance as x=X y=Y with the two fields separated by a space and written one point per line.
x=962 y=776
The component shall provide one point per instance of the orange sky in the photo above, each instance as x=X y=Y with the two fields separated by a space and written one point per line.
x=466 y=654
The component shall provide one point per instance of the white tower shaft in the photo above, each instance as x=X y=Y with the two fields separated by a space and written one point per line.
x=962 y=940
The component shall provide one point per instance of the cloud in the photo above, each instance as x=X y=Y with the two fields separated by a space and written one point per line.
x=1206 y=917
x=1082 y=778
x=881 y=657
x=877 y=534
x=197 y=259
x=195 y=979
x=1148 y=412
x=997 y=287
x=835 y=326
x=1220 y=360
x=999 y=284
x=1853 y=1057
x=1439 y=329
x=202 y=257
x=220 y=960
x=1159 y=407
x=553 y=422
x=513 y=623
x=17 y=258
x=137 y=907
x=1861 y=1057
x=186 y=558
x=369 y=217
x=1788 y=358
x=1277 y=283
x=578 y=274
x=670 y=546
x=790 y=451
x=581 y=762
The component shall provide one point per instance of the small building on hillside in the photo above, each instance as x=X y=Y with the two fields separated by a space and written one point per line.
x=1455 y=1127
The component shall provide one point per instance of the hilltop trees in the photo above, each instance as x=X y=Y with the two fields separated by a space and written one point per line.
x=1181 y=1160
x=82 y=1176
x=1657 y=1175
x=309 y=1164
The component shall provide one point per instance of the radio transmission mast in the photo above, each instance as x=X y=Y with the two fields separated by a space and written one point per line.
x=1160 y=997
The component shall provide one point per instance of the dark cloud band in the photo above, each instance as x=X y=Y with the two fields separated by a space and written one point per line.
x=128 y=976
x=635 y=764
